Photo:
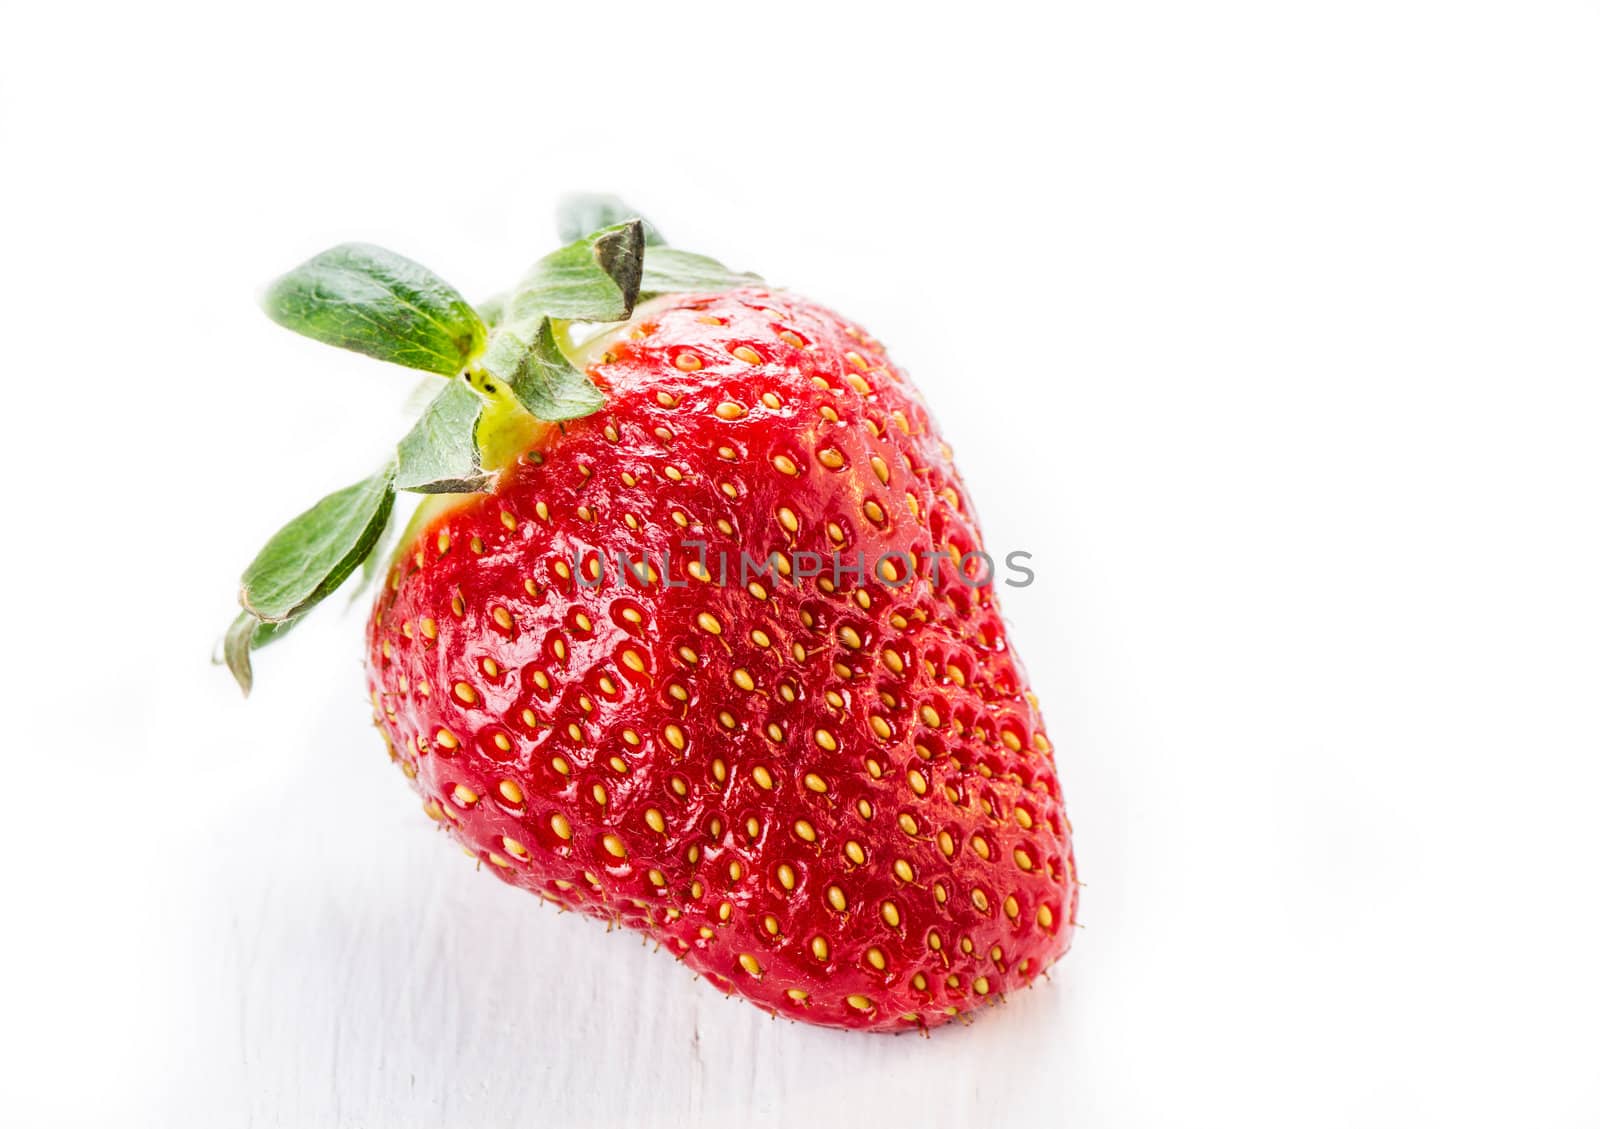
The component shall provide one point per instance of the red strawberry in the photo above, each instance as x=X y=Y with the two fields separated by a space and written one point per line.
x=826 y=786
x=836 y=799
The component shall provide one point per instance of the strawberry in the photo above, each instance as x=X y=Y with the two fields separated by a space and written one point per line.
x=719 y=658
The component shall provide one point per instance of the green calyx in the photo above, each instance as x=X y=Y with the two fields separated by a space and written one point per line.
x=506 y=372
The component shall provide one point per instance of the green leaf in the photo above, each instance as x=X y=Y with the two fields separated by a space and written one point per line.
x=361 y=297
x=439 y=455
x=312 y=555
x=580 y=213
x=540 y=376
x=669 y=270
x=373 y=566
x=246 y=634
x=236 y=650
x=595 y=278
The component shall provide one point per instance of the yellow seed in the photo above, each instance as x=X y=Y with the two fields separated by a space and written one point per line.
x=1044 y=917
x=947 y=845
x=797 y=995
x=750 y=965
x=981 y=900
x=446 y=739
x=805 y=831
x=786 y=876
x=930 y=716
x=830 y=458
x=675 y=736
x=686 y=362
x=729 y=410
x=980 y=846
x=903 y=871
x=1011 y=907
x=860 y=1003
x=464 y=796
x=599 y=793
x=511 y=791
x=819 y=948
x=502 y=618
x=559 y=824
x=881 y=469
x=785 y=464
x=430 y=629
x=746 y=354
x=502 y=742
x=815 y=782
x=517 y=849
x=981 y=986
x=657 y=879
x=854 y=853
x=1024 y=820
x=771 y=400
x=876 y=958
x=919 y=982
x=891 y=915
x=632 y=660
x=656 y=821
x=836 y=898
x=893 y=661
x=614 y=847
x=827 y=740
x=465 y=694
x=908 y=823
x=560 y=765
x=1022 y=860
x=919 y=783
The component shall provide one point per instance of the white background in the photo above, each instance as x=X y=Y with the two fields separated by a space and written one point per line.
x=1270 y=329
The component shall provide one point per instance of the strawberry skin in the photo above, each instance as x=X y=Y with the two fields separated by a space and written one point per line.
x=832 y=795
